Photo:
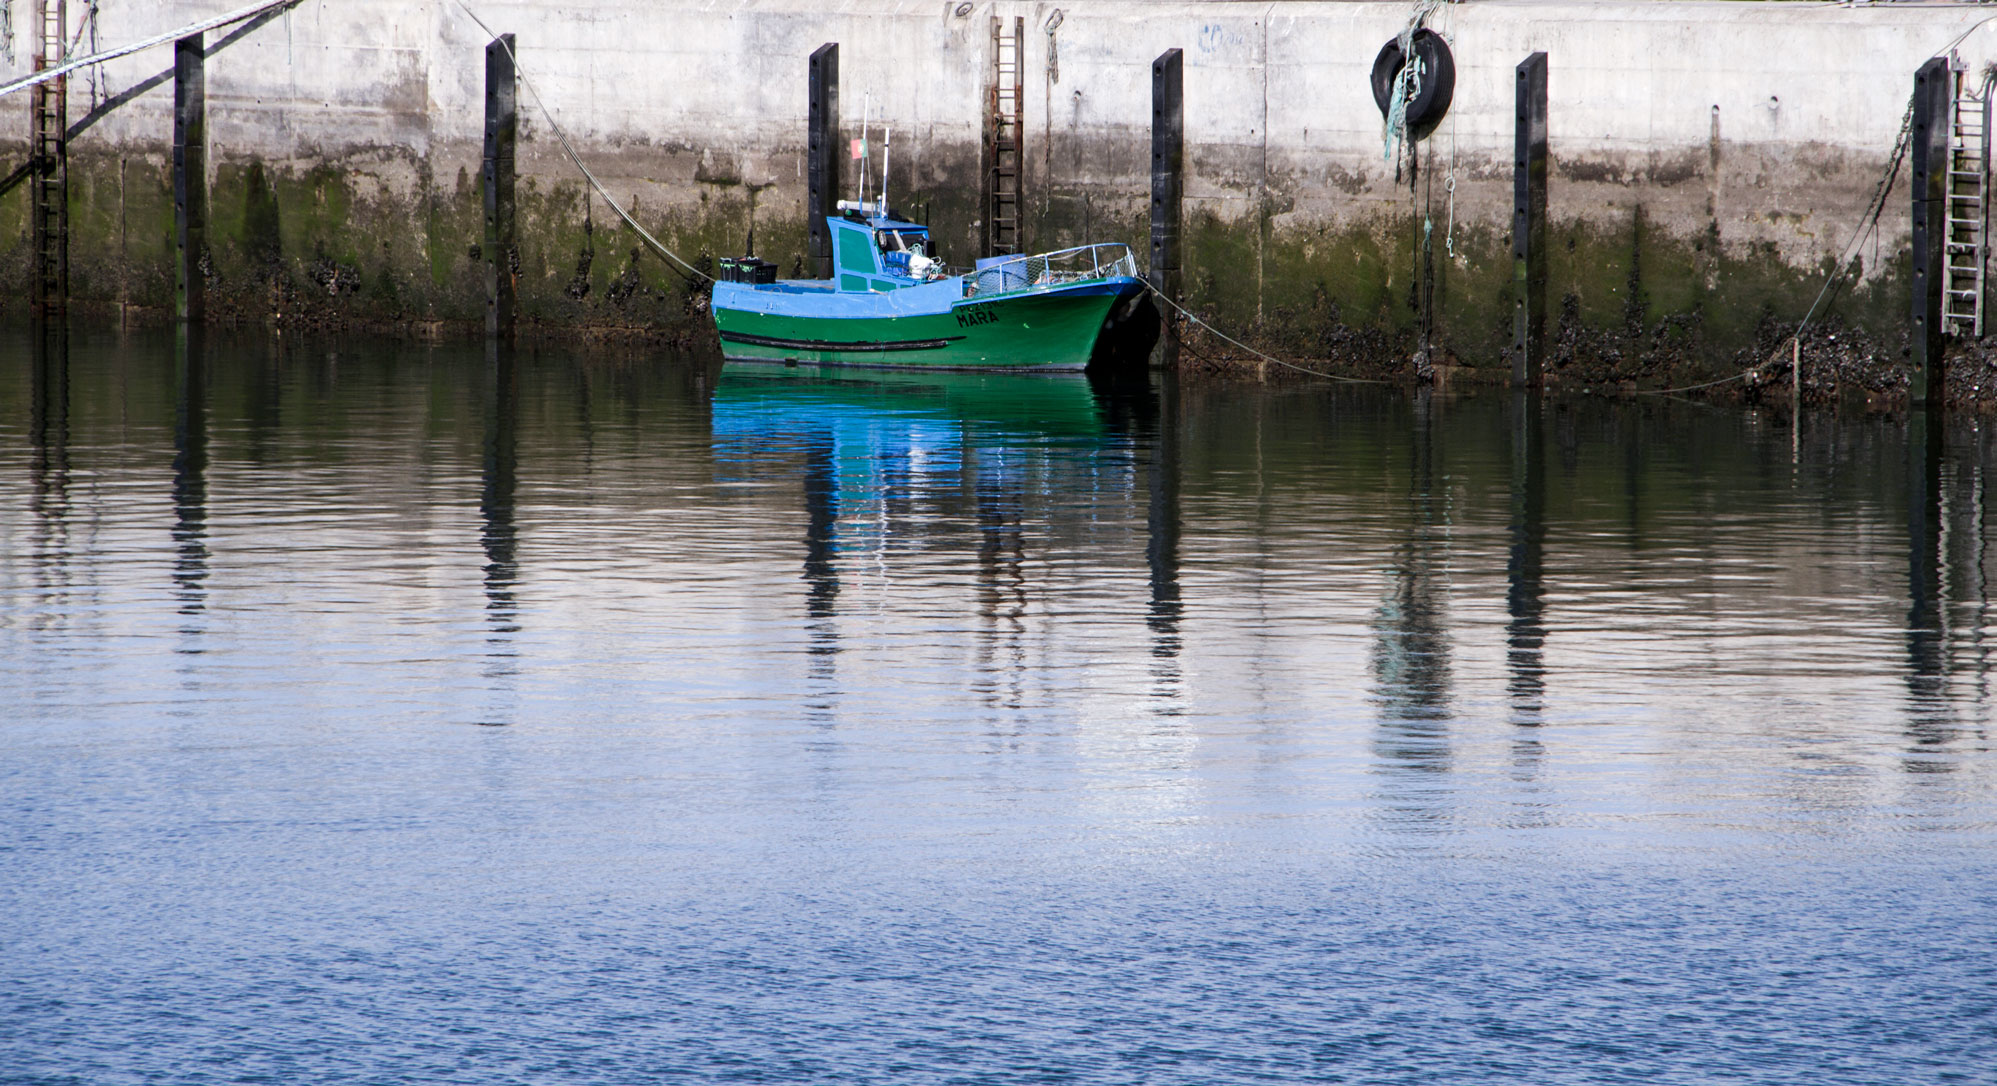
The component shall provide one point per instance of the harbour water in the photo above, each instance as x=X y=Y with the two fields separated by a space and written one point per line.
x=392 y=713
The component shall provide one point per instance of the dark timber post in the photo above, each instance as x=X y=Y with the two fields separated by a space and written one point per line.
x=1529 y=224
x=1168 y=164
x=821 y=164
x=1934 y=107
x=501 y=127
x=190 y=177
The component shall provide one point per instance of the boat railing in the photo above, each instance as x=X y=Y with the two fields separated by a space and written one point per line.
x=1075 y=265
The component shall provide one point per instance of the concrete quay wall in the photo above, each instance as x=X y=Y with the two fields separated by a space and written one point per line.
x=1710 y=160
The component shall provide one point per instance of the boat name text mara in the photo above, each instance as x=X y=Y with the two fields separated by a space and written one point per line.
x=975 y=314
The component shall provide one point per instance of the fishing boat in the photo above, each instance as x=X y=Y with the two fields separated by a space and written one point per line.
x=891 y=303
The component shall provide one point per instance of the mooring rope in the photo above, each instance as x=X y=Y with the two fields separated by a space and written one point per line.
x=1750 y=371
x=1191 y=316
x=570 y=150
x=1868 y=223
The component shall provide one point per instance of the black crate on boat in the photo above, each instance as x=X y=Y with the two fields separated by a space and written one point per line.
x=747 y=269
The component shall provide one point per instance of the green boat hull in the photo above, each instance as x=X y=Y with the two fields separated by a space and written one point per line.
x=1030 y=330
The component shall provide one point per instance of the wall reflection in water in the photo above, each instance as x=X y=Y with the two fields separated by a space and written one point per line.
x=1310 y=716
x=1436 y=584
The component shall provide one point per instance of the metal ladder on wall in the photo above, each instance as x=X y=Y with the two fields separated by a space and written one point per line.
x=1002 y=186
x=1968 y=239
x=49 y=178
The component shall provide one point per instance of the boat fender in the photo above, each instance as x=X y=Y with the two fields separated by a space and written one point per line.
x=1438 y=84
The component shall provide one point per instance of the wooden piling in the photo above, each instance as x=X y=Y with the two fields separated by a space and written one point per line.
x=1168 y=162
x=822 y=154
x=501 y=250
x=1934 y=110
x=1529 y=224
x=190 y=177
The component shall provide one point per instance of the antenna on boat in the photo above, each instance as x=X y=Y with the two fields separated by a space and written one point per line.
x=866 y=105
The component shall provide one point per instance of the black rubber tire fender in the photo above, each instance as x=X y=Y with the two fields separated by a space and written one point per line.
x=1432 y=100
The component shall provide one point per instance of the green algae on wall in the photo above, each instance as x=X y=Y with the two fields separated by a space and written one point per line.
x=379 y=237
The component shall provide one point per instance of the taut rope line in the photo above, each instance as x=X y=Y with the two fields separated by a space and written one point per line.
x=570 y=150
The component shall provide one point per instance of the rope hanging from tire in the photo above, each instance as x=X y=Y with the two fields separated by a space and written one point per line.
x=1413 y=79
x=1425 y=89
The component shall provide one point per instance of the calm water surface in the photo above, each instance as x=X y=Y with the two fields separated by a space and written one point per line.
x=379 y=713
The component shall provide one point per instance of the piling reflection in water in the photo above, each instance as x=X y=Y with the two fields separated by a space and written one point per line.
x=499 y=536
x=1003 y=582
x=1969 y=552
x=1525 y=591
x=48 y=440
x=1925 y=612
x=1394 y=552
x=821 y=566
x=499 y=532
x=1162 y=523
x=1161 y=545
x=190 y=475
x=1143 y=414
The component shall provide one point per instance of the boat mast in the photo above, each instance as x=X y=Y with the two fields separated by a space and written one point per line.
x=866 y=105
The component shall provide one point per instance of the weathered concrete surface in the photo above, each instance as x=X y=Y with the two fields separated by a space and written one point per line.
x=1710 y=160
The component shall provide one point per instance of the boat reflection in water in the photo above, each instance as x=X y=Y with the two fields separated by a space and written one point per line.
x=894 y=465
x=921 y=406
